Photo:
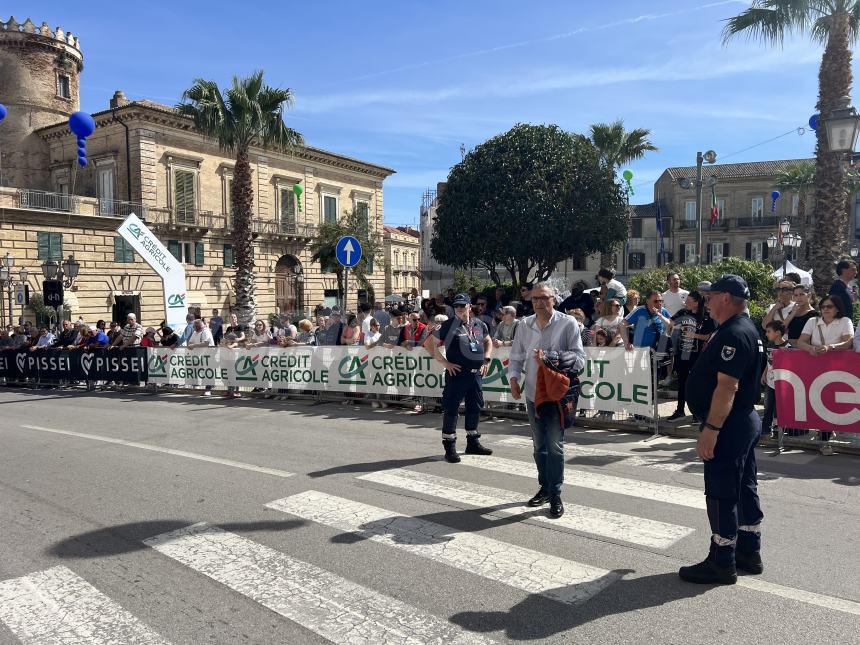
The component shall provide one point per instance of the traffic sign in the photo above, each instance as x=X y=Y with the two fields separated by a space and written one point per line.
x=52 y=291
x=348 y=251
x=21 y=295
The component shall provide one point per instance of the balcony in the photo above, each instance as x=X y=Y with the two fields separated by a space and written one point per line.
x=43 y=201
x=117 y=208
x=194 y=220
x=687 y=224
x=752 y=222
x=721 y=224
x=273 y=228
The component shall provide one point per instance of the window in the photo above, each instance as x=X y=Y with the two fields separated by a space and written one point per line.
x=187 y=252
x=287 y=207
x=636 y=228
x=50 y=246
x=364 y=213
x=717 y=251
x=369 y=260
x=228 y=190
x=795 y=204
x=756 y=251
x=330 y=297
x=757 y=207
x=184 y=195
x=122 y=251
x=329 y=206
x=690 y=211
x=64 y=86
x=577 y=263
x=228 y=255
x=106 y=180
x=688 y=253
x=636 y=260
x=721 y=209
x=396 y=263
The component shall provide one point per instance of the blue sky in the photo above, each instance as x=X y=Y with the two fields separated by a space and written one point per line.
x=404 y=83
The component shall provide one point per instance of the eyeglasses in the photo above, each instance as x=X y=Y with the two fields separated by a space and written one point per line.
x=827 y=307
x=614 y=304
x=541 y=298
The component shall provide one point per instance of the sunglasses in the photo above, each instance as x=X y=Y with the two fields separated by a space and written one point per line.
x=541 y=298
x=459 y=306
x=828 y=307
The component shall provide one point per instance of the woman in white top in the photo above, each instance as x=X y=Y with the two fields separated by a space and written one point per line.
x=260 y=337
x=612 y=323
x=831 y=332
x=372 y=338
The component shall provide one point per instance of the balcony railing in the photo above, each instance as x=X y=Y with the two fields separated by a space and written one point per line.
x=687 y=224
x=118 y=208
x=195 y=219
x=44 y=201
x=274 y=228
x=747 y=222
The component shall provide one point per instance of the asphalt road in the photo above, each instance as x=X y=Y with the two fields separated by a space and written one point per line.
x=133 y=518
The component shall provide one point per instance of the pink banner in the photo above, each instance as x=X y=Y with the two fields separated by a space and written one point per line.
x=817 y=392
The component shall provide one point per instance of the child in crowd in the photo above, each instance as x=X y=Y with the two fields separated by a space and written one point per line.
x=775 y=332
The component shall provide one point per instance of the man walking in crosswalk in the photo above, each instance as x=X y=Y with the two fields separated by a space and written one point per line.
x=547 y=330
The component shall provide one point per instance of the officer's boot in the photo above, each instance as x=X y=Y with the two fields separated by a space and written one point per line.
x=474 y=447
x=716 y=569
x=451 y=455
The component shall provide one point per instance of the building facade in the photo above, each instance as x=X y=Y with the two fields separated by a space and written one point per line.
x=145 y=158
x=435 y=277
x=402 y=246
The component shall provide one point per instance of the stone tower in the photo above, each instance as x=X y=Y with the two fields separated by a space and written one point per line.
x=39 y=85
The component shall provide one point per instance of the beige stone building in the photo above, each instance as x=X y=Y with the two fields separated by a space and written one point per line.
x=402 y=259
x=146 y=159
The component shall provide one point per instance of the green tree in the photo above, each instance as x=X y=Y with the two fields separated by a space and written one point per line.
x=833 y=23
x=798 y=178
x=526 y=200
x=365 y=228
x=617 y=147
x=248 y=114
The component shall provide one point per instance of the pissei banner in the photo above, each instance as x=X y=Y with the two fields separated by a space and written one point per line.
x=126 y=365
x=614 y=380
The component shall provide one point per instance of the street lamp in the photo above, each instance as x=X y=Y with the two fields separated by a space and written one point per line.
x=842 y=127
x=7 y=280
x=65 y=272
x=786 y=240
x=708 y=157
x=854 y=251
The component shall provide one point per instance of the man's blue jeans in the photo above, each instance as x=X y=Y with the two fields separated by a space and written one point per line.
x=548 y=440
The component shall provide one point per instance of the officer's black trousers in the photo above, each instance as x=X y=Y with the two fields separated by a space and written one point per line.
x=463 y=385
x=731 y=488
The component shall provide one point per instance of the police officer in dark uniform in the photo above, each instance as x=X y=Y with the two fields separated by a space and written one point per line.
x=468 y=347
x=722 y=390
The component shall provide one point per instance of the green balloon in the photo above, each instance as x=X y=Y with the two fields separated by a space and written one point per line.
x=297 y=189
x=628 y=175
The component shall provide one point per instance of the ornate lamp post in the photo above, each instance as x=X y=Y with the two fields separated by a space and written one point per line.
x=709 y=157
x=786 y=240
x=65 y=272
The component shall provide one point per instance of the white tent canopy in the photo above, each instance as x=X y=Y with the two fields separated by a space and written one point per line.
x=805 y=276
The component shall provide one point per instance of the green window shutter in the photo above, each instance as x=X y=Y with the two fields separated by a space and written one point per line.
x=199 y=258
x=329 y=209
x=44 y=246
x=288 y=206
x=228 y=255
x=369 y=259
x=175 y=249
x=184 y=193
x=118 y=250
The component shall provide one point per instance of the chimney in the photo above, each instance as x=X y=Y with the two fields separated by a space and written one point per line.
x=119 y=99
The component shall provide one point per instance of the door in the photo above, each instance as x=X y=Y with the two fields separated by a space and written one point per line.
x=106 y=176
x=125 y=305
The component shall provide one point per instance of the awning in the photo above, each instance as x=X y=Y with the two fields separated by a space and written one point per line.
x=805 y=276
x=196 y=299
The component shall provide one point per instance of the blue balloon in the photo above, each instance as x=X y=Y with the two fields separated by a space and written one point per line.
x=82 y=160
x=813 y=122
x=775 y=195
x=82 y=124
x=3 y=111
x=82 y=141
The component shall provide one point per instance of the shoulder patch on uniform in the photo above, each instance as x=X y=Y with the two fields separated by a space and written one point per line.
x=728 y=353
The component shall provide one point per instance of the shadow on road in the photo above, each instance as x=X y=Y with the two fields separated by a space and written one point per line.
x=539 y=617
x=372 y=466
x=127 y=538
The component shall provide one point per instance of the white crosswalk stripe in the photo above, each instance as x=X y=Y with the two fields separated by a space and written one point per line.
x=56 y=606
x=636 y=530
x=326 y=604
x=597 y=481
x=671 y=464
x=564 y=580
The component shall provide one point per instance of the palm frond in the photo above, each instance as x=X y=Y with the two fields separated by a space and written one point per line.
x=768 y=20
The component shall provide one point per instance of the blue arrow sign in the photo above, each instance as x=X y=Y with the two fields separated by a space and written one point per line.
x=348 y=251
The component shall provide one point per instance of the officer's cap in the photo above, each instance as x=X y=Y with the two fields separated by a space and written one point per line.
x=462 y=299
x=734 y=285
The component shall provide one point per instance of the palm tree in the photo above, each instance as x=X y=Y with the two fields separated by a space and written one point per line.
x=248 y=114
x=798 y=178
x=833 y=23
x=616 y=147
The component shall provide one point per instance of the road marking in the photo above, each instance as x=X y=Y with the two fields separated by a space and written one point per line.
x=167 y=451
x=635 y=530
x=534 y=572
x=56 y=606
x=672 y=464
x=809 y=597
x=326 y=604
x=597 y=481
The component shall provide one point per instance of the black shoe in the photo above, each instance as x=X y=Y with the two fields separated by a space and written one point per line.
x=677 y=414
x=474 y=447
x=708 y=572
x=540 y=499
x=749 y=562
x=556 y=508
x=451 y=455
